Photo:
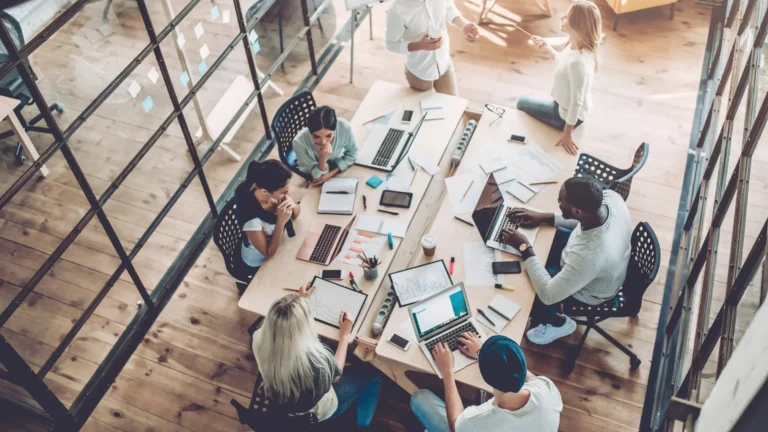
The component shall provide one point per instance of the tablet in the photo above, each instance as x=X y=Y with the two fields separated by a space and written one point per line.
x=330 y=299
x=392 y=198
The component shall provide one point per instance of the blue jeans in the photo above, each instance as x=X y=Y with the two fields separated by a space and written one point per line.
x=540 y=312
x=430 y=410
x=546 y=111
x=361 y=384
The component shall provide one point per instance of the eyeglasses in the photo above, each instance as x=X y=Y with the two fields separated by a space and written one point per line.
x=499 y=111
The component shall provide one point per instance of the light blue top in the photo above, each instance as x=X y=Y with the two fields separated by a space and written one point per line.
x=343 y=155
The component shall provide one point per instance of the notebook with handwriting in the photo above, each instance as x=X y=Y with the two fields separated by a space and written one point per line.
x=338 y=196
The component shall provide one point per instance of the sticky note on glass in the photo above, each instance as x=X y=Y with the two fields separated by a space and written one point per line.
x=225 y=17
x=199 y=30
x=256 y=47
x=181 y=40
x=184 y=78
x=252 y=36
x=214 y=12
x=152 y=75
x=202 y=67
x=134 y=89
x=204 y=51
x=147 y=104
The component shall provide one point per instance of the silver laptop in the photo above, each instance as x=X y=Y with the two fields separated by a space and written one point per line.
x=387 y=146
x=443 y=317
x=490 y=217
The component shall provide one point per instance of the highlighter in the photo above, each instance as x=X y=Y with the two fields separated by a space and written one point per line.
x=505 y=287
x=453 y=261
x=391 y=241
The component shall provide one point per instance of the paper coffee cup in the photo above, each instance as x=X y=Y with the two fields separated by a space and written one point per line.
x=429 y=243
x=435 y=33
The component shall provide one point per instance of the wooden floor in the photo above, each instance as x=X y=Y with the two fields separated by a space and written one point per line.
x=197 y=355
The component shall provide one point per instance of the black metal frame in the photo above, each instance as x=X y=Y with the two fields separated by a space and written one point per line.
x=18 y=371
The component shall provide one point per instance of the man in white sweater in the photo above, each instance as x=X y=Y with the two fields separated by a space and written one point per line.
x=588 y=259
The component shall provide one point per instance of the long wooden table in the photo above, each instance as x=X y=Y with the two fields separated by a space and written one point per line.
x=285 y=271
x=490 y=139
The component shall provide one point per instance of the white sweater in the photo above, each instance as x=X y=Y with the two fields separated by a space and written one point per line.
x=572 y=89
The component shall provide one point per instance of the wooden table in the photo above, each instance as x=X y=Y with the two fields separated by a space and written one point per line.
x=488 y=6
x=285 y=271
x=6 y=112
x=488 y=140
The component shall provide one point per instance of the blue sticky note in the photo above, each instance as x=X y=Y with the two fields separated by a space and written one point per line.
x=374 y=181
x=184 y=78
x=147 y=104
x=255 y=47
x=202 y=67
x=214 y=12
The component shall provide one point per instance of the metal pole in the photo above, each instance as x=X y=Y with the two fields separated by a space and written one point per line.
x=352 y=47
x=310 y=44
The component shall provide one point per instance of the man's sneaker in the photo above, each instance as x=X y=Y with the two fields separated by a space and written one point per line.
x=547 y=333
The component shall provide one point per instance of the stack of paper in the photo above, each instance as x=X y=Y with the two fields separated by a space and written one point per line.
x=463 y=192
x=501 y=310
x=338 y=196
x=532 y=164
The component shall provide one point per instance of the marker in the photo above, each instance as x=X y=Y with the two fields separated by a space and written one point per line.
x=506 y=287
x=389 y=212
x=353 y=282
x=365 y=203
x=453 y=260
x=486 y=317
x=391 y=241
x=338 y=193
x=502 y=315
x=542 y=183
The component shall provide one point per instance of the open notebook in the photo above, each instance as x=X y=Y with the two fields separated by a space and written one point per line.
x=338 y=196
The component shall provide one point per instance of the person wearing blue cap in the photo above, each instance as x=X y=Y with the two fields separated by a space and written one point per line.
x=521 y=401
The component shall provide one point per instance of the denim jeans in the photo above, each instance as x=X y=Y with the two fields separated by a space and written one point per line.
x=546 y=111
x=362 y=384
x=430 y=410
x=540 y=312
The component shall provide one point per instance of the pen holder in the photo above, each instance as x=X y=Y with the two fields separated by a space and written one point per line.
x=371 y=274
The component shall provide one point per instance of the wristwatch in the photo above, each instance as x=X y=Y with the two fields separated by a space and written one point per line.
x=524 y=247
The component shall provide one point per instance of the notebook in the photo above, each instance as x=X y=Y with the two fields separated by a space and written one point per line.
x=338 y=196
x=501 y=311
x=431 y=103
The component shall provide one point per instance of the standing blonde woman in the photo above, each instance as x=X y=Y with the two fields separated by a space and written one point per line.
x=301 y=374
x=575 y=67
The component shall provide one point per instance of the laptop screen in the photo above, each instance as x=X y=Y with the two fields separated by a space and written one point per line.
x=487 y=205
x=440 y=310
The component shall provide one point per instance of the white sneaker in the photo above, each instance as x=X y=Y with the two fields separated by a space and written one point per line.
x=544 y=334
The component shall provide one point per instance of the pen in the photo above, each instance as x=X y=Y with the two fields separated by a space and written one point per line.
x=391 y=241
x=468 y=188
x=389 y=212
x=506 y=287
x=290 y=289
x=353 y=282
x=365 y=203
x=465 y=221
x=501 y=314
x=486 y=317
x=453 y=260
x=338 y=193
x=413 y=167
x=543 y=183
x=413 y=179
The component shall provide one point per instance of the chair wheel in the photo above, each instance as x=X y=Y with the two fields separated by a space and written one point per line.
x=634 y=362
x=21 y=159
x=59 y=109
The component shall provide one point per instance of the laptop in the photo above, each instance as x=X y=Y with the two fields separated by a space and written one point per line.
x=490 y=217
x=323 y=242
x=443 y=317
x=387 y=146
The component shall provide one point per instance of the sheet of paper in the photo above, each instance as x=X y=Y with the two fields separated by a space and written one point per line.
x=202 y=67
x=431 y=102
x=405 y=329
x=457 y=188
x=147 y=104
x=477 y=264
x=214 y=12
x=134 y=89
x=424 y=162
x=181 y=40
x=204 y=51
x=504 y=175
x=532 y=164
x=417 y=283
x=400 y=179
x=199 y=31
x=435 y=114
x=358 y=242
x=382 y=226
x=382 y=120
x=184 y=78
x=225 y=17
x=520 y=191
x=153 y=75
x=493 y=164
x=329 y=300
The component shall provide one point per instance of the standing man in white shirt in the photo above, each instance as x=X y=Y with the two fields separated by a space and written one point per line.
x=418 y=29
x=521 y=401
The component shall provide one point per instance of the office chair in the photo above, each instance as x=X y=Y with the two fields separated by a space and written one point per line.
x=291 y=118
x=11 y=85
x=644 y=262
x=228 y=237
x=616 y=179
x=264 y=414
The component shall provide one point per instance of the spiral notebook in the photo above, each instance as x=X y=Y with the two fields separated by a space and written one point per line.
x=338 y=196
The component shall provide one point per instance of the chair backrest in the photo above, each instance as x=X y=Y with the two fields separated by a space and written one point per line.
x=624 y=183
x=228 y=237
x=644 y=263
x=265 y=414
x=288 y=121
x=10 y=81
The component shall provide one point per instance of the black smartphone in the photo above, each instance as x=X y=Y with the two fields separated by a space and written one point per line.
x=400 y=342
x=518 y=138
x=407 y=116
x=505 y=267
x=392 y=198
x=331 y=275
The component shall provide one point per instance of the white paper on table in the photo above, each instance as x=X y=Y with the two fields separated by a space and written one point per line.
x=504 y=175
x=199 y=30
x=501 y=310
x=134 y=89
x=153 y=75
x=532 y=164
x=406 y=330
x=431 y=103
x=181 y=40
x=521 y=191
x=371 y=244
x=382 y=226
x=456 y=187
x=430 y=167
x=400 y=179
x=204 y=51
x=477 y=264
x=435 y=114
x=382 y=120
x=225 y=17
x=493 y=164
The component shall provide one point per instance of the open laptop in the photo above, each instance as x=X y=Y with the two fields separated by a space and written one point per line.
x=323 y=242
x=443 y=317
x=387 y=146
x=490 y=217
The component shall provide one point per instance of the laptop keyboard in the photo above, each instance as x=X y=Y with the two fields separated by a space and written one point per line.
x=387 y=148
x=451 y=336
x=506 y=223
x=324 y=244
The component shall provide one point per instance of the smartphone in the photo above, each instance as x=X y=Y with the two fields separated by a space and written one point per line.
x=505 y=267
x=518 y=138
x=400 y=342
x=331 y=275
x=392 y=198
x=407 y=116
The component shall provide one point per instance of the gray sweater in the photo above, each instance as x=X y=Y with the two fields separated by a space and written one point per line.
x=594 y=262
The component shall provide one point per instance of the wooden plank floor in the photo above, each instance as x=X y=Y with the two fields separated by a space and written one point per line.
x=197 y=355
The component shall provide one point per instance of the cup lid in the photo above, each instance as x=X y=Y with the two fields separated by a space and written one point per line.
x=429 y=241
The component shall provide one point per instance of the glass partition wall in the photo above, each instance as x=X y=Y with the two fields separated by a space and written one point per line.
x=717 y=280
x=158 y=105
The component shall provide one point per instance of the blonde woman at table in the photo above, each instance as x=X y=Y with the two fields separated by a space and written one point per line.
x=418 y=29
x=575 y=67
x=301 y=374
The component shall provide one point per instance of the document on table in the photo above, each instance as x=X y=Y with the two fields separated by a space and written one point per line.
x=457 y=186
x=400 y=179
x=477 y=264
x=501 y=311
x=361 y=241
x=329 y=300
x=382 y=226
x=532 y=164
x=406 y=330
x=430 y=167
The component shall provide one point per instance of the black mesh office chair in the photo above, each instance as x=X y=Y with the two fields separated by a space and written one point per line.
x=288 y=121
x=264 y=414
x=228 y=237
x=616 y=179
x=643 y=266
x=12 y=86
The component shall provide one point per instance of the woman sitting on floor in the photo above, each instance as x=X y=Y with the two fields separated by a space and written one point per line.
x=326 y=146
x=301 y=374
x=264 y=206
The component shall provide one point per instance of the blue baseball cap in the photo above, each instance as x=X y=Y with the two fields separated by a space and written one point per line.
x=502 y=364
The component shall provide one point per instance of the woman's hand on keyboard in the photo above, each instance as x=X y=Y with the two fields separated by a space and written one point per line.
x=443 y=359
x=469 y=344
